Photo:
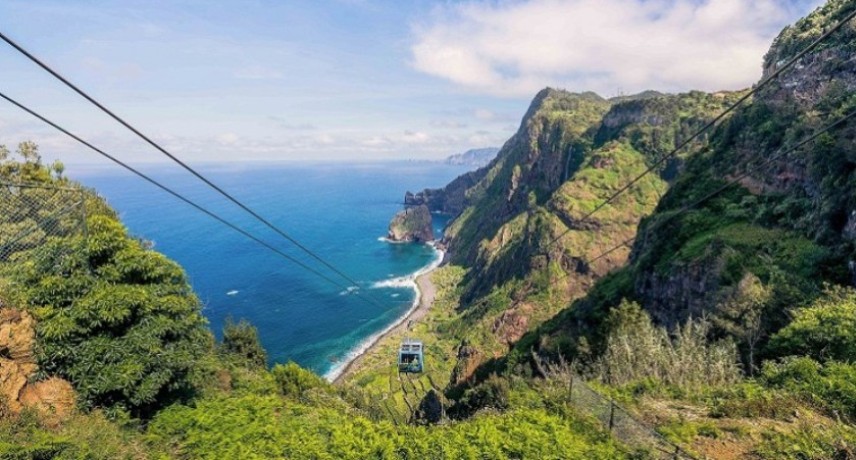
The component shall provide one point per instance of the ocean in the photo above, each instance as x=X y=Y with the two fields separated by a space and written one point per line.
x=340 y=211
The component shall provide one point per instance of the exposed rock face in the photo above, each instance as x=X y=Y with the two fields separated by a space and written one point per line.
x=451 y=199
x=687 y=292
x=469 y=359
x=13 y=379
x=54 y=398
x=412 y=224
x=16 y=355
x=512 y=324
x=17 y=334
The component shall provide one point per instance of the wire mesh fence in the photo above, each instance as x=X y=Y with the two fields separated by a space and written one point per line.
x=31 y=215
x=621 y=424
x=617 y=420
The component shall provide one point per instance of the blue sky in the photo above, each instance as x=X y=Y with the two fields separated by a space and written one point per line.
x=355 y=79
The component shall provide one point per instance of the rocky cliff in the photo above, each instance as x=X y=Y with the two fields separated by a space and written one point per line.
x=517 y=225
x=413 y=224
x=787 y=223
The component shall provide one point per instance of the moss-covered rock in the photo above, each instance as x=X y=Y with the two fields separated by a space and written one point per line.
x=413 y=224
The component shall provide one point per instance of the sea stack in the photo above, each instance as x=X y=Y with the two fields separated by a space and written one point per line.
x=413 y=224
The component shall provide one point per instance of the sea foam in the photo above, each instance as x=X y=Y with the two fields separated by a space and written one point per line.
x=408 y=281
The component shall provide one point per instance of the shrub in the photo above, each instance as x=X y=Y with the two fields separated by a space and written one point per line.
x=752 y=400
x=809 y=442
x=293 y=380
x=830 y=386
x=637 y=350
x=493 y=393
x=242 y=339
x=118 y=321
x=824 y=330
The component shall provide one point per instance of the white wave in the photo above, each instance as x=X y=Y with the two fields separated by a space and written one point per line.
x=354 y=353
x=234 y=292
x=401 y=282
x=387 y=240
x=349 y=290
x=395 y=295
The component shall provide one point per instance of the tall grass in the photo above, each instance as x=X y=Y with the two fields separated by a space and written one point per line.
x=636 y=349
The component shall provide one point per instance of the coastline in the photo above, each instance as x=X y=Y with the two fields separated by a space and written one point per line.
x=420 y=282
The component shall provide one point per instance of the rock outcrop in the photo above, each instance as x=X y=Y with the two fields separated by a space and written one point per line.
x=52 y=398
x=469 y=359
x=451 y=199
x=413 y=224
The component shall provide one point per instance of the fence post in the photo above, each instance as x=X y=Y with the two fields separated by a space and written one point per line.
x=611 y=414
x=571 y=388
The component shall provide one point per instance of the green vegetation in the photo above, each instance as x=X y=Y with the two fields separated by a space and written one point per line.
x=242 y=339
x=637 y=350
x=120 y=322
x=269 y=427
x=726 y=327
x=824 y=330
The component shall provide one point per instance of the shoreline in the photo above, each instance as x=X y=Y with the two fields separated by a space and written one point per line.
x=420 y=282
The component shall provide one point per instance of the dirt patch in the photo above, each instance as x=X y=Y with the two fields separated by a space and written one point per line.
x=512 y=324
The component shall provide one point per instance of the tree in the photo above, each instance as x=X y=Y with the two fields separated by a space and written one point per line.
x=121 y=323
x=58 y=167
x=742 y=315
x=4 y=153
x=242 y=339
x=29 y=151
x=825 y=330
x=293 y=380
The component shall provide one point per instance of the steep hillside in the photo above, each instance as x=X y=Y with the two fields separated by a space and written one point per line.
x=717 y=306
x=517 y=227
x=790 y=221
x=104 y=354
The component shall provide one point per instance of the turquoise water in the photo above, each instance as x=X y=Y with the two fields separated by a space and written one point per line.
x=339 y=211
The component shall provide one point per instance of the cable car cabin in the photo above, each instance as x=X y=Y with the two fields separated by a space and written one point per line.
x=410 y=357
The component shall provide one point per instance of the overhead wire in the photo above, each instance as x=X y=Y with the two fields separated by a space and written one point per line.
x=736 y=179
x=177 y=195
x=177 y=160
x=710 y=124
x=317 y=257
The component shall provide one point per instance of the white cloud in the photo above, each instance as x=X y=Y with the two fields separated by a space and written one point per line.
x=517 y=48
x=415 y=137
x=448 y=124
x=228 y=138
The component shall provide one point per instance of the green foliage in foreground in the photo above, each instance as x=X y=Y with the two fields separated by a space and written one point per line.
x=85 y=436
x=116 y=319
x=824 y=330
x=830 y=386
x=809 y=442
x=242 y=339
x=259 y=427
